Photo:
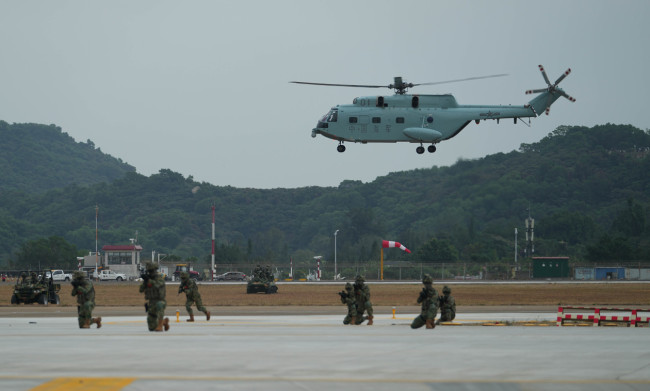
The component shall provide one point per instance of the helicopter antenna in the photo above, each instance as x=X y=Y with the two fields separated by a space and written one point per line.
x=399 y=85
x=552 y=88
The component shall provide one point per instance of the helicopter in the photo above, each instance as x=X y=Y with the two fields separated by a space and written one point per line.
x=421 y=118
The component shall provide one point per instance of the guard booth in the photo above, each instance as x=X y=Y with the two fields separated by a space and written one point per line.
x=550 y=267
x=123 y=259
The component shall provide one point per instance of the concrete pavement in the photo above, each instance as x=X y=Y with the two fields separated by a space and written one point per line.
x=317 y=352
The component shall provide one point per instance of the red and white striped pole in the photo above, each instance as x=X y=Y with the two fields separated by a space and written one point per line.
x=212 y=271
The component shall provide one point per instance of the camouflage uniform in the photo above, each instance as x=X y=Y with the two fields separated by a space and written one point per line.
x=85 y=292
x=347 y=298
x=153 y=286
x=192 y=296
x=362 y=297
x=429 y=300
x=447 y=305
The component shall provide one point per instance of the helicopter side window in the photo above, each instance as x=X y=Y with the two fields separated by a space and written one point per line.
x=353 y=120
x=376 y=120
x=399 y=120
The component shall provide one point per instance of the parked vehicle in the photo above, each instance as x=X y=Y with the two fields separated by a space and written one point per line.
x=31 y=289
x=231 y=276
x=59 y=275
x=109 y=275
x=186 y=267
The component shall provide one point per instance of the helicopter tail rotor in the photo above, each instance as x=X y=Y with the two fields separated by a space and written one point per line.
x=552 y=92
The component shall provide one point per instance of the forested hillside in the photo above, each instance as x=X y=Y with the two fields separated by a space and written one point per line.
x=36 y=158
x=587 y=188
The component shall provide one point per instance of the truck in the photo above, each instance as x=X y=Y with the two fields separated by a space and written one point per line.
x=109 y=275
x=186 y=267
x=58 y=275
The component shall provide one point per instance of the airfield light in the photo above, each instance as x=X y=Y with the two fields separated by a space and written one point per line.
x=335 y=271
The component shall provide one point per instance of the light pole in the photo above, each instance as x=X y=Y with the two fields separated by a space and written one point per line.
x=335 y=271
x=516 y=266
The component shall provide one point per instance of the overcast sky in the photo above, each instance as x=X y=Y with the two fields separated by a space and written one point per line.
x=202 y=87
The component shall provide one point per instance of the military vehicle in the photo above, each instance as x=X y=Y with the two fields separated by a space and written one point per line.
x=263 y=281
x=261 y=286
x=33 y=289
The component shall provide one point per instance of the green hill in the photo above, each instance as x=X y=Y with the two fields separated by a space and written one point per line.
x=587 y=188
x=36 y=158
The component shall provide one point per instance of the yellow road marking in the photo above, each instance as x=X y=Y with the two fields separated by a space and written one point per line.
x=85 y=383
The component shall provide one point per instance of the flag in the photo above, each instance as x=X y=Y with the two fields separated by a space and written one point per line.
x=388 y=243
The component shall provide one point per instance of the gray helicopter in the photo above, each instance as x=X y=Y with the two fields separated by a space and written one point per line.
x=421 y=119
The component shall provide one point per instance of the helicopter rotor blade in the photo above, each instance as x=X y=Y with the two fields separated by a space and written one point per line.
x=564 y=94
x=541 y=68
x=339 y=85
x=536 y=91
x=559 y=79
x=459 y=80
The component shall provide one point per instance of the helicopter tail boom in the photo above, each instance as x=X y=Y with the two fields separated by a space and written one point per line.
x=542 y=102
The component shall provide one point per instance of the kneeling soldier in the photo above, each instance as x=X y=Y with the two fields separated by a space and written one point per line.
x=429 y=300
x=85 y=292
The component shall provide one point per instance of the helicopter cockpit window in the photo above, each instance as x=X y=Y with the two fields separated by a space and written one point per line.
x=332 y=115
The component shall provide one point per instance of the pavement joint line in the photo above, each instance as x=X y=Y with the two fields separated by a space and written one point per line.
x=62 y=380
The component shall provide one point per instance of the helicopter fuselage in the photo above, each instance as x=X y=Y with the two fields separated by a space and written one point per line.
x=421 y=118
x=409 y=118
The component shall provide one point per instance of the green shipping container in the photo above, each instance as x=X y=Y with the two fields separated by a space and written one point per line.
x=550 y=267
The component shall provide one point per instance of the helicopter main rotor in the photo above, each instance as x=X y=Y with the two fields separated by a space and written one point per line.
x=398 y=85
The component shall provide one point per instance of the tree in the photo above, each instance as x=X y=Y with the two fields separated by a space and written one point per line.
x=53 y=252
x=609 y=248
x=437 y=251
x=631 y=220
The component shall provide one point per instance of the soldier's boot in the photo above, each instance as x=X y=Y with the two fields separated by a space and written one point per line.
x=165 y=324
x=97 y=321
x=353 y=320
x=86 y=325
x=370 y=318
x=207 y=315
x=160 y=325
x=191 y=319
x=430 y=324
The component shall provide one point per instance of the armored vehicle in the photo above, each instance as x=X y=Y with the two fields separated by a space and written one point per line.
x=30 y=288
x=261 y=287
x=263 y=281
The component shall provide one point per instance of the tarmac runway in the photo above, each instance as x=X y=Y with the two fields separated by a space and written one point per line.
x=317 y=352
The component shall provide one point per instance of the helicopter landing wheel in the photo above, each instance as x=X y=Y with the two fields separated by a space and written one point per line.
x=419 y=150
x=341 y=148
x=431 y=148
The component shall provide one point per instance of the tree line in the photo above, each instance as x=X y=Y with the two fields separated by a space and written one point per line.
x=587 y=190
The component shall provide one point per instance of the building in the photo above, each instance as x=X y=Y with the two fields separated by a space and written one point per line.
x=123 y=259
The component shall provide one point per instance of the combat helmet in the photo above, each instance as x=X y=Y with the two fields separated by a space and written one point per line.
x=446 y=290
x=359 y=279
x=348 y=286
x=427 y=279
x=151 y=267
x=78 y=275
x=185 y=275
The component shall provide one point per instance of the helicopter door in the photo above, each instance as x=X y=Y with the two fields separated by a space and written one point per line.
x=364 y=120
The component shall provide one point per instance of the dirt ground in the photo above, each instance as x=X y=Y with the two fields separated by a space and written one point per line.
x=112 y=294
